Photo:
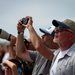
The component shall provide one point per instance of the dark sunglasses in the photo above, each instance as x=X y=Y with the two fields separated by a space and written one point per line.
x=60 y=29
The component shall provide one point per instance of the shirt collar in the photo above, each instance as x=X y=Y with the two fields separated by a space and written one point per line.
x=70 y=50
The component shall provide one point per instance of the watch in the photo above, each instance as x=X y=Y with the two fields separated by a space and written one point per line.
x=21 y=32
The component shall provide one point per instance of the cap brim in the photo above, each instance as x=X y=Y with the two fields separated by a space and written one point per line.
x=44 y=31
x=56 y=23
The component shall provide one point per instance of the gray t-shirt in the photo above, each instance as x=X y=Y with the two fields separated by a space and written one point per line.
x=42 y=65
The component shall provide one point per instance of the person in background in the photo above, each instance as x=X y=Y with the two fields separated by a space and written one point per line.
x=13 y=62
x=42 y=64
x=29 y=44
x=1 y=53
x=26 y=66
x=1 y=56
x=10 y=68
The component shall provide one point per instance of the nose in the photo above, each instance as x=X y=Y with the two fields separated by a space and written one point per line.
x=42 y=36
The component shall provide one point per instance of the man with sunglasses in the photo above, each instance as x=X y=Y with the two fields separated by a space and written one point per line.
x=64 y=60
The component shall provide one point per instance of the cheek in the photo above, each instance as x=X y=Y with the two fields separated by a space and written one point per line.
x=64 y=36
x=44 y=38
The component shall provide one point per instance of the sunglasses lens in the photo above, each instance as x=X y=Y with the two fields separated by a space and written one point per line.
x=59 y=29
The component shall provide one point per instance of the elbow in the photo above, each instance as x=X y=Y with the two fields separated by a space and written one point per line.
x=18 y=54
x=38 y=46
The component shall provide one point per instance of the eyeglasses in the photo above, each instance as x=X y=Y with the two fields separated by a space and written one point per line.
x=60 y=29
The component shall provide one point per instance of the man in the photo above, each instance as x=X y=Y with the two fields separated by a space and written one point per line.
x=48 y=36
x=42 y=64
x=64 y=58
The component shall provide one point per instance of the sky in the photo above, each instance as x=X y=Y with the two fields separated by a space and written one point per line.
x=42 y=12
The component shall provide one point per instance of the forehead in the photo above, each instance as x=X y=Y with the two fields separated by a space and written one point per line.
x=47 y=35
x=61 y=26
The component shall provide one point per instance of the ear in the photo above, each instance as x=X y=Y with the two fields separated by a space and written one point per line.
x=72 y=36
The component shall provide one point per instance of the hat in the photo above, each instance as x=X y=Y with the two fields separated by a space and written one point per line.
x=66 y=23
x=50 y=30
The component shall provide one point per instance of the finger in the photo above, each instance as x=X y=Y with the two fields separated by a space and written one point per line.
x=29 y=17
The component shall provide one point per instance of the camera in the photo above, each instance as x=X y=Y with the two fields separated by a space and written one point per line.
x=24 y=21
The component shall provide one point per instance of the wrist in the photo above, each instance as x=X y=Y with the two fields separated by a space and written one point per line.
x=21 y=32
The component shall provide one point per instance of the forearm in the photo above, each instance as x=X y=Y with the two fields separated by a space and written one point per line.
x=12 y=53
x=20 y=46
x=34 y=37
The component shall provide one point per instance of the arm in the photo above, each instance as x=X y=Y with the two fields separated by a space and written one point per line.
x=12 y=53
x=37 y=42
x=21 y=50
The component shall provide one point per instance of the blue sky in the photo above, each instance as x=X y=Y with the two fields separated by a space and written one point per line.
x=42 y=11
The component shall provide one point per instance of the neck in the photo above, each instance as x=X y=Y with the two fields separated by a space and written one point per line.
x=65 y=46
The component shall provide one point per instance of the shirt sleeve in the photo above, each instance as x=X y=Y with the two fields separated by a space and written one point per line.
x=33 y=55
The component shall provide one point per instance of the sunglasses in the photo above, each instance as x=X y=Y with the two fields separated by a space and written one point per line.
x=60 y=29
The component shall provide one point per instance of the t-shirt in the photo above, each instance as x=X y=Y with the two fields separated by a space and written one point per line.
x=60 y=55
x=41 y=63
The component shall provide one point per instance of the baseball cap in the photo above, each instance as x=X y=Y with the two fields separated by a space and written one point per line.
x=67 y=23
x=49 y=30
